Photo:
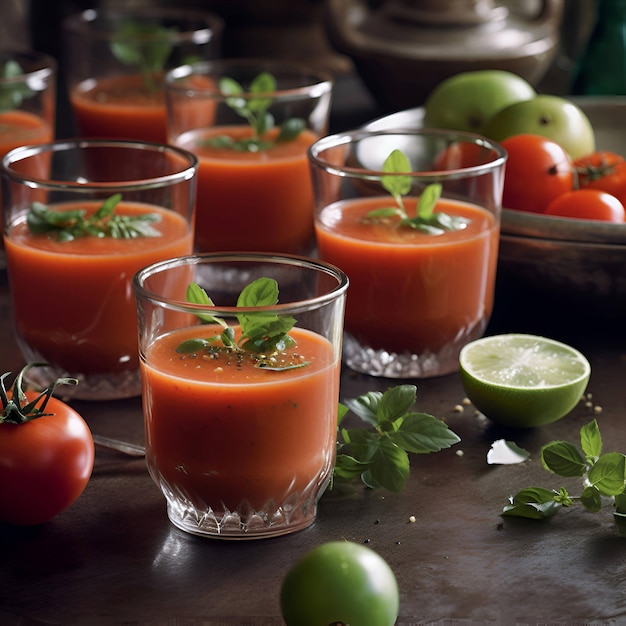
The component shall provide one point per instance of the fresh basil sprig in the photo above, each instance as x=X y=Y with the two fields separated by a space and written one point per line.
x=425 y=220
x=12 y=95
x=604 y=477
x=379 y=455
x=263 y=334
x=146 y=46
x=255 y=111
x=75 y=223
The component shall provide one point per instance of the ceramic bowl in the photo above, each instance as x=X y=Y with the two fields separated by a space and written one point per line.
x=579 y=258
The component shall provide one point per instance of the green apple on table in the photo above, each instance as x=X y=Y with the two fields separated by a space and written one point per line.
x=550 y=116
x=468 y=100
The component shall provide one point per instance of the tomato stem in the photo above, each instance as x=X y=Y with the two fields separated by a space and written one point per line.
x=16 y=409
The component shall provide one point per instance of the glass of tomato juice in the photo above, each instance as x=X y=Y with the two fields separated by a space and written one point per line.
x=75 y=234
x=250 y=122
x=28 y=82
x=115 y=61
x=240 y=388
x=413 y=218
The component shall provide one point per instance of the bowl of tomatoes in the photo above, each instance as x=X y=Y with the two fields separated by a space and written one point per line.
x=563 y=224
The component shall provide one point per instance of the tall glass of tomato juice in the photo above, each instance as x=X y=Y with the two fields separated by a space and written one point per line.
x=70 y=273
x=421 y=287
x=115 y=61
x=254 y=187
x=240 y=441
x=28 y=82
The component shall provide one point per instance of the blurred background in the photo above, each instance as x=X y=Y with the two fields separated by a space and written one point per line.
x=385 y=54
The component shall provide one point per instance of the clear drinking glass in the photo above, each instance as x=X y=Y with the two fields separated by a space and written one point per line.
x=70 y=288
x=240 y=437
x=416 y=297
x=250 y=122
x=115 y=60
x=28 y=83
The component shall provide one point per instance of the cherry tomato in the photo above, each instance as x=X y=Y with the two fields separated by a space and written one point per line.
x=603 y=170
x=537 y=171
x=340 y=582
x=45 y=462
x=587 y=204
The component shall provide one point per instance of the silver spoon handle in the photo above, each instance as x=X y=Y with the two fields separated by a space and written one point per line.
x=121 y=446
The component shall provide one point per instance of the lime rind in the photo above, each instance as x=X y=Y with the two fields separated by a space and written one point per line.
x=523 y=380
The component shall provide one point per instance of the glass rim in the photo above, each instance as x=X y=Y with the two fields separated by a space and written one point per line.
x=141 y=292
x=321 y=84
x=42 y=65
x=23 y=152
x=81 y=22
x=354 y=136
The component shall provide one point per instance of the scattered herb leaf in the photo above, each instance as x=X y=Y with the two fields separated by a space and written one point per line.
x=254 y=108
x=12 y=95
x=426 y=219
x=604 y=477
x=75 y=223
x=379 y=455
x=146 y=46
x=263 y=334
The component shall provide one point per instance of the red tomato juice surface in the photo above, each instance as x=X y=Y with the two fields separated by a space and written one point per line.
x=410 y=291
x=226 y=433
x=120 y=107
x=73 y=301
x=253 y=201
x=19 y=128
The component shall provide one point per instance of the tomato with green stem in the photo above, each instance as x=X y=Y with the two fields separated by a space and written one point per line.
x=602 y=170
x=46 y=453
x=340 y=582
x=587 y=204
x=537 y=171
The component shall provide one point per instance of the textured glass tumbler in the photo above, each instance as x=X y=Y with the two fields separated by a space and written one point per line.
x=70 y=289
x=240 y=440
x=28 y=82
x=115 y=61
x=250 y=122
x=417 y=295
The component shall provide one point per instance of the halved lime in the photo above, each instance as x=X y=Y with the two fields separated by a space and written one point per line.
x=523 y=380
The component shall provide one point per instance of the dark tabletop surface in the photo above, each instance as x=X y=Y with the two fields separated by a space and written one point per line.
x=114 y=558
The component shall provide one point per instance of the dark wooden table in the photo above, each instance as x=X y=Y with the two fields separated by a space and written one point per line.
x=114 y=558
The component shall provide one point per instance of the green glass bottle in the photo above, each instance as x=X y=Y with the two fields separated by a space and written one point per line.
x=601 y=69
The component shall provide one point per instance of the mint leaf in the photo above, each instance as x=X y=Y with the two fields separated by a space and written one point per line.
x=532 y=503
x=563 y=458
x=421 y=433
x=12 y=96
x=380 y=454
x=591 y=440
x=608 y=474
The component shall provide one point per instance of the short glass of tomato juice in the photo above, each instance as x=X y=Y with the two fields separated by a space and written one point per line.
x=115 y=61
x=75 y=237
x=413 y=218
x=240 y=388
x=28 y=82
x=250 y=122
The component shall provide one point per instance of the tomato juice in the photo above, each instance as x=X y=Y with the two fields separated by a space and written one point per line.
x=252 y=201
x=73 y=304
x=410 y=291
x=227 y=436
x=19 y=128
x=121 y=107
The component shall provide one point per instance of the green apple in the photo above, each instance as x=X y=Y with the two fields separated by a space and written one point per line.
x=468 y=100
x=552 y=117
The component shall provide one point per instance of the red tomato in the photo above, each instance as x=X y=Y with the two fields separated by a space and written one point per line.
x=537 y=171
x=587 y=204
x=45 y=463
x=603 y=170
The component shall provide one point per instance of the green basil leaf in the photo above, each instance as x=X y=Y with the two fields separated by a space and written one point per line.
x=591 y=440
x=608 y=474
x=591 y=499
x=563 y=458
x=422 y=433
